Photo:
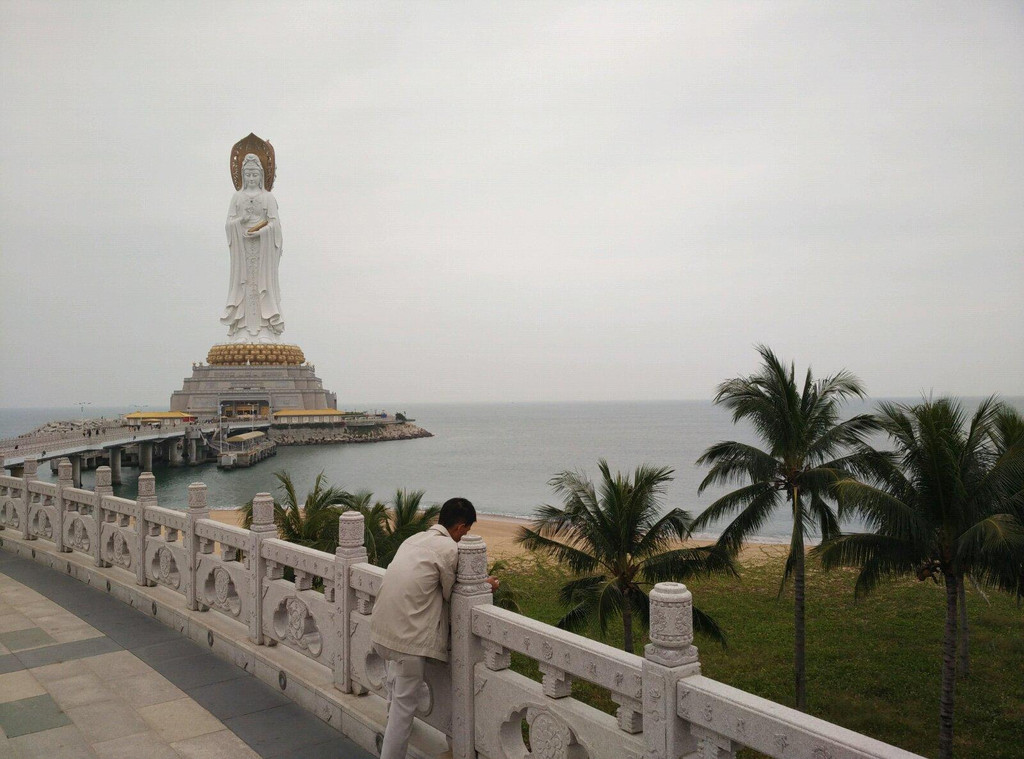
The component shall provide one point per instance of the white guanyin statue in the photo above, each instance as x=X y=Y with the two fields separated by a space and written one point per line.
x=253 y=310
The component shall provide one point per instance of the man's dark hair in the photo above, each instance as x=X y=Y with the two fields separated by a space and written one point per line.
x=457 y=511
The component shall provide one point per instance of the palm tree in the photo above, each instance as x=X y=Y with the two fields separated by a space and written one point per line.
x=806 y=449
x=314 y=523
x=386 y=528
x=619 y=544
x=935 y=508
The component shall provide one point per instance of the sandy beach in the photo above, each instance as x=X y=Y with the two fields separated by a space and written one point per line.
x=499 y=535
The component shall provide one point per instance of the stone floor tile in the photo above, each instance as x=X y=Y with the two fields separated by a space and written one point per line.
x=234 y=698
x=59 y=743
x=223 y=744
x=31 y=715
x=59 y=671
x=20 y=640
x=15 y=621
x=106 y=720
x=145 y=690
x=138 y=633
x=339 y=747
x=117 y=664
x=65 y=628
x=281 y=730
x=4 y=650
x=196 y=671
x=141 y=746
x=181 y=719
x=79 y=690
x=10 y=663
x=78 y=649
x=43 y=607
x=178 y=648
x=15 y=686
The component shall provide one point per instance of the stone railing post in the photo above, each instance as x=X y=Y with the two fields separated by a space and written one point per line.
x=145 y=499
x=263 y=527
x=197 y=509
x=102 y=488
x=28 y=475
x=471 y=589
x=350 y=551
x=669 y=656
x=63 y=482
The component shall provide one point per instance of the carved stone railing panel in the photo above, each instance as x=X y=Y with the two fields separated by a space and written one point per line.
x=301 y=558
x=224 y=586
x=81 y=528
x=560 y=650
x=175 y=520
x=6 y=481
x=369 y=671
x=166 y=562
x=225 y=534
x=367 y=579
x=303 y=620
x=718 y=713
x=119 y=545
x=123 y=506
x=42 y=516
x=564 y=728
x=83 y=501
x=43 y=488
x=12 y=504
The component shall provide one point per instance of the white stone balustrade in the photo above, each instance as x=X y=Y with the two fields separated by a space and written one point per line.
x=321 y=616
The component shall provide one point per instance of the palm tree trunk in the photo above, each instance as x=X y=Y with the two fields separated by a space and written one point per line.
x=799 y=636
x=948 y=672
x=799 y=642
x=964 y=633
x=627 y=624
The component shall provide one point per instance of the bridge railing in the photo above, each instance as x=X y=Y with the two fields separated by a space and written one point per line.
x=320 y=606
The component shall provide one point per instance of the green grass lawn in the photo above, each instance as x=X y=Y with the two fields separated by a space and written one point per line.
x=873 y=664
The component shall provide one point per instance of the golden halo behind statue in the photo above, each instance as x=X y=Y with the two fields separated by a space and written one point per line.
x=263 y=150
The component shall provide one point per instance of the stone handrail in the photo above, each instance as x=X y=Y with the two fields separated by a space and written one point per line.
x=667 y=709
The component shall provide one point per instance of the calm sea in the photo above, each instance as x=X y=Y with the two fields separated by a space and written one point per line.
x=500 y=456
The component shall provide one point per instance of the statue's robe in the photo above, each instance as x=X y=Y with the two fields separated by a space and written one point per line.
x=235 y=313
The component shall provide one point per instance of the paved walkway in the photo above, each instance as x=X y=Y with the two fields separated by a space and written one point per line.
x=84 y=675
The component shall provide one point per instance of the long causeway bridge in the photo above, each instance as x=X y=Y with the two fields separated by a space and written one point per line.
x=177 y=444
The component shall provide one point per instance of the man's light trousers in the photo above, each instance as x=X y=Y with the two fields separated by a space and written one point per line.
x=404 y=686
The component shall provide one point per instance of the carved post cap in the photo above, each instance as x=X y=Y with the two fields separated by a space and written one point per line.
x=350 y=530
x=103 y=478
x=147 y=485
x=472 y=569
x=64 y=475
x=31 y=466
x=671 y=628
x=263 y=510
x=197 y=496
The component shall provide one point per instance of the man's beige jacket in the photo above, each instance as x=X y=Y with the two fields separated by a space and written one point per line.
x=410 y=614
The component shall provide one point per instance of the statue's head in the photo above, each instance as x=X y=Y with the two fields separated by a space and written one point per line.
x=252 y=172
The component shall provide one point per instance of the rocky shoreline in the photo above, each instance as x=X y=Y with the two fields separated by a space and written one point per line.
x=322 y=435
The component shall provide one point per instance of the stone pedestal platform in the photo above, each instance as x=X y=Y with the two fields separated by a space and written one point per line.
x=261 y=381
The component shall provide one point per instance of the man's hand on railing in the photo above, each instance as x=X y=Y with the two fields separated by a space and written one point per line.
x=493 y=582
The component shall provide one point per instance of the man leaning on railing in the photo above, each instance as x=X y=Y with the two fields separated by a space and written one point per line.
x=410 y=615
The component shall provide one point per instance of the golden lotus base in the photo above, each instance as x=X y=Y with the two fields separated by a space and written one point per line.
x=255 y=354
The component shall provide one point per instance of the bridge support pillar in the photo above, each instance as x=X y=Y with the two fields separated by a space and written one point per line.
x=76 y=470
x=146 y=457
x=174 y=457
x=115 y=465
x=193 y=451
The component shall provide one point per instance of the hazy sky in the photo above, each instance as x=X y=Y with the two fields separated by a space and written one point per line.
x=518 y=201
